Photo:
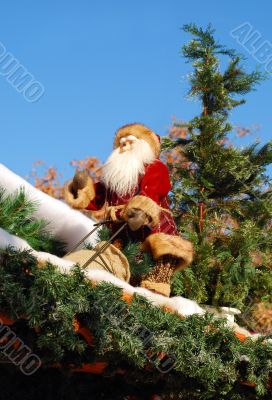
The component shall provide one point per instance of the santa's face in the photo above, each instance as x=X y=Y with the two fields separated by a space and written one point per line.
x=127 y=143
x=126 y=164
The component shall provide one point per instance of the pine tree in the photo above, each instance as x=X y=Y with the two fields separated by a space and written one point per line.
x=221 y=194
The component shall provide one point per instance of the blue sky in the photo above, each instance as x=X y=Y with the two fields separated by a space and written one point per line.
x=107 y=63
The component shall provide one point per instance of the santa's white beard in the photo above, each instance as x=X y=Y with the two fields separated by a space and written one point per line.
x=122 y=170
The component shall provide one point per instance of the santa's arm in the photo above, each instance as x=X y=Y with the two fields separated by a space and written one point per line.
x=144 y=208
x=82 y=193
x=139 y=211
x=156 y=182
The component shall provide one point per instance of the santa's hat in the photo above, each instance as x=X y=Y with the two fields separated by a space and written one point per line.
x=140 y=131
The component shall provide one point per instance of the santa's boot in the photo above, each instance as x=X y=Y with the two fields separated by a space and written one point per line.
x=172 y=253
x=158 y=280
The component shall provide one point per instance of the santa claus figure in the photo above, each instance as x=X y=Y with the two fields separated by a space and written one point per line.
x=134 y=188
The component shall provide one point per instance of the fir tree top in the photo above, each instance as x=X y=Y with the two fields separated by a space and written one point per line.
x=216 y=89
x=217 y=171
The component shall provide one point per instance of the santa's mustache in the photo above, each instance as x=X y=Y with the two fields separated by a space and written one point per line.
x=122 y=170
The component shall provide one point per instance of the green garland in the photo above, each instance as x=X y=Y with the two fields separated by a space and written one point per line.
x=207 y=358
x=204 y=350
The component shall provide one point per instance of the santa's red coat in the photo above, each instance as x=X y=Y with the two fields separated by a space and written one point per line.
x=155 y=184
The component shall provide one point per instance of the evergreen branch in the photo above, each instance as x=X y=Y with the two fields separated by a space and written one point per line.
x=16 y=217
x=205 y=350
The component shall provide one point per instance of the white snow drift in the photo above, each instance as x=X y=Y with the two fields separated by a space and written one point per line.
x=64 y=223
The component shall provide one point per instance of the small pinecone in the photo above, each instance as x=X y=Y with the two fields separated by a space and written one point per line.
x=262 y=318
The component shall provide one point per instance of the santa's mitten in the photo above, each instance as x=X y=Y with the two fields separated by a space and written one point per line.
x=79 y=192
x=172 y=253
x=140 y=211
